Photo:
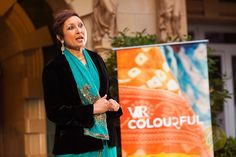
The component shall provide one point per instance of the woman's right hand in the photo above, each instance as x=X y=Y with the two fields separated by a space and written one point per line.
x=101 y=105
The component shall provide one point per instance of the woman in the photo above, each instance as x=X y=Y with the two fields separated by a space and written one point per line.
x=76 y=95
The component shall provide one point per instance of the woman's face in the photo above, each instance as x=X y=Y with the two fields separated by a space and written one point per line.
x=75 y=33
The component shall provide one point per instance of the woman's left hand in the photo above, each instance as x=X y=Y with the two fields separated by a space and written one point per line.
x=113 y=105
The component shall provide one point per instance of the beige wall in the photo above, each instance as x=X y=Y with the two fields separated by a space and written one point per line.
x=137 y=15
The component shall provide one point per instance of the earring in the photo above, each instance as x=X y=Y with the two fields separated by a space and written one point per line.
x=62 y=47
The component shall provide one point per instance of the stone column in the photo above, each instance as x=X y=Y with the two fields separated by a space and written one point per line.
x=105 y=25
x=23 y=120
x=171 y=20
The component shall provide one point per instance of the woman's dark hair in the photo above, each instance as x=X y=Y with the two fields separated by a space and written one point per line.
x=59 y=20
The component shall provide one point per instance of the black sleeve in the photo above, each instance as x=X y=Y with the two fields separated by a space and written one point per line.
x=60 y=107
x=116 y=114
x=113 y=114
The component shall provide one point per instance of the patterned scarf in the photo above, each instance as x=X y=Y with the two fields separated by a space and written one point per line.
x=88 y=84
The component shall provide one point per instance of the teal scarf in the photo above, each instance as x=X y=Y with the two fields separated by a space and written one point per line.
x=88 y=84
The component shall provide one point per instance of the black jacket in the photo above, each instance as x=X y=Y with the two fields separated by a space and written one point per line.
x=64 y=108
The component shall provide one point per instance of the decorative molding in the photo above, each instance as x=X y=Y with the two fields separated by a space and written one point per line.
x=36 y=39
x=211 y=12
x=33 y=40
x=5 y=5
x=104 y=22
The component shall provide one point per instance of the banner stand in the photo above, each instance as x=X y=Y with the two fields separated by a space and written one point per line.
x=164 y=94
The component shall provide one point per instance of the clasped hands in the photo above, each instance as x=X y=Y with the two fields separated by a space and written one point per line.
x=103 y=105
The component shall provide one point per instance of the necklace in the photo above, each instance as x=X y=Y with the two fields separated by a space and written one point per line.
x=81 y=58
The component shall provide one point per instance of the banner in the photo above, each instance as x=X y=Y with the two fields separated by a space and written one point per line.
x=164 y=94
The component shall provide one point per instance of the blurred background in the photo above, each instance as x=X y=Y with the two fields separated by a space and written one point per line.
x=27 y=43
